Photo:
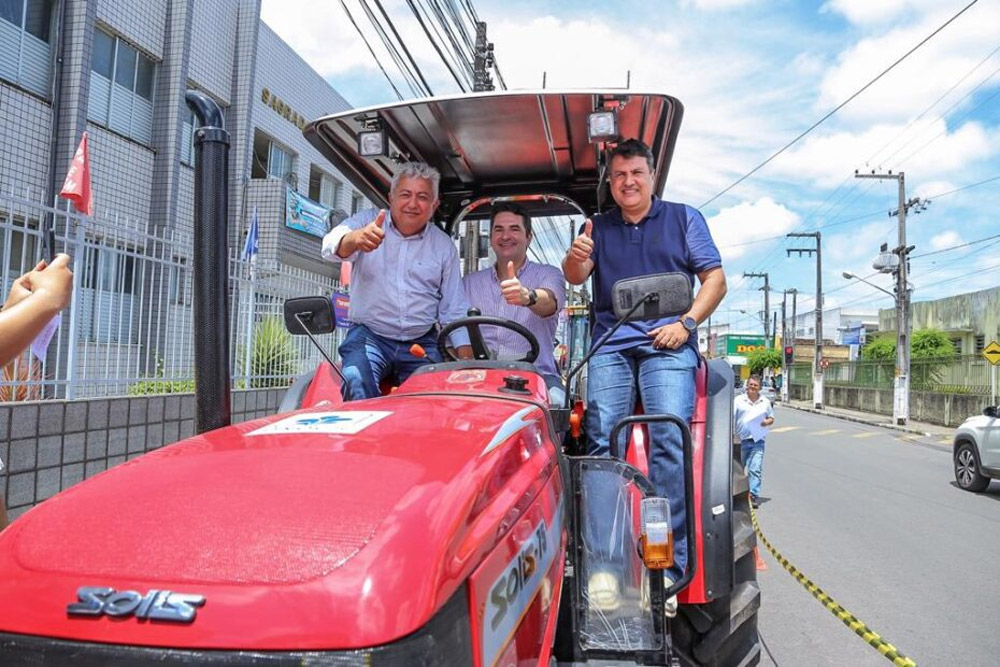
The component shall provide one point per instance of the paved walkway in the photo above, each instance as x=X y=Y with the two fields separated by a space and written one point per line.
x=884 y=421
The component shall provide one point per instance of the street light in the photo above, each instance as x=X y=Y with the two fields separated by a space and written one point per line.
x=849 y=276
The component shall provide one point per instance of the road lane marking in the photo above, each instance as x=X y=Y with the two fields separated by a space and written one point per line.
x=784 y=429
x=945 y=441
x=867 y=434
x=829 y=431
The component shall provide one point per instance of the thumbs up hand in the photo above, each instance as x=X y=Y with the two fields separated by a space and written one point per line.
x=583 y=245
x=371 y=235
x=513 y=292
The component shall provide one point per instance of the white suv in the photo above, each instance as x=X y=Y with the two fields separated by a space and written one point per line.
x=977 y=451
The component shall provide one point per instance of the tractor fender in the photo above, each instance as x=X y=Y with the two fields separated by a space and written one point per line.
x=717 y=492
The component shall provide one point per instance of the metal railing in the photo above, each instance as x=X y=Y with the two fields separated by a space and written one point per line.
x=128 y=329
x=966 y=374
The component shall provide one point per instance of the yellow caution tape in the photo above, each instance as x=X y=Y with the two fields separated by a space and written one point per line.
x=872 y=638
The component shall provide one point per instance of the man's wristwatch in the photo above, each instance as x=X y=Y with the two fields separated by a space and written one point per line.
x=532 y=298
x=690 y=324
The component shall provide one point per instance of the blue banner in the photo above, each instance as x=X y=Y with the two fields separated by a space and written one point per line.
x=305 y=215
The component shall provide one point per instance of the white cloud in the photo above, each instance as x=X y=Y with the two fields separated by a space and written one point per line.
x=860 y=243
x=713 y=5
x=866 y=11
x=827 y=159
x=737 y=227
x=922 y=77
x=946 y=240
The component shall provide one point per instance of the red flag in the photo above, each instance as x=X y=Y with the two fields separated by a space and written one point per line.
x=77 y=185
x=345 y=274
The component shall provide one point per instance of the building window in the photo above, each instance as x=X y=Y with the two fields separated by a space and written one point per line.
x=957 y=343
x=356 y=201
x=121 y=88
x=980 y=343
x=25 y=49
x=271 y=160
x=324 y=188
x=187 y=137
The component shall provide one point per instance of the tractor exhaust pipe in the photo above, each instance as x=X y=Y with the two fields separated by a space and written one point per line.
x=211 y=288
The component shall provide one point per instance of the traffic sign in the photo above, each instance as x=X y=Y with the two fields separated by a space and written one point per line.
x=992 y=353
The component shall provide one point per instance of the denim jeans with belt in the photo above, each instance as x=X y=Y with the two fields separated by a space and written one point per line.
x=368 y=358
x=666 y=384
x=752 y=456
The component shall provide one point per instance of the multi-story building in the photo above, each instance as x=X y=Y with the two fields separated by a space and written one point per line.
x=119 y=70
x=841 y=326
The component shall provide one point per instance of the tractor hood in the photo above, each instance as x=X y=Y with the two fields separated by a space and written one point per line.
x=335 y=528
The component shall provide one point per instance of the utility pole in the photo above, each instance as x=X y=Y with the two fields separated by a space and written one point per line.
x=784 y=343
x=786 y=388
x=708 y=338
x=818 y=359
x=901 y=386
x=482 y=81
x=767 y=303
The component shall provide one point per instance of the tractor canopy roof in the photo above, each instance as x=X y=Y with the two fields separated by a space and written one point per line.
x=532 y=145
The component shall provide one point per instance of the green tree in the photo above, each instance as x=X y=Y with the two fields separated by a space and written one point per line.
x=931 y=344
x=759 y=359
x=880 y=348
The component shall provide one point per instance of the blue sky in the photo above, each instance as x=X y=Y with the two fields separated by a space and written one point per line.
x=752 y=75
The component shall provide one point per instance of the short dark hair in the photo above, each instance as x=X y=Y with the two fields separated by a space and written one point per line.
x=511 y=207
x=632 y=148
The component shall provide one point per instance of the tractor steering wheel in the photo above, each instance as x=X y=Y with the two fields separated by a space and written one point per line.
x=479 y=349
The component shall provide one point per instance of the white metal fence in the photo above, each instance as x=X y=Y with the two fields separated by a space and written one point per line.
x=129 y=327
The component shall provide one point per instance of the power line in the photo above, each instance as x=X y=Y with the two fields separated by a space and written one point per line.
x=393 y=51
x=413 y=63
x=840 y=106
x=462 y=85
x=936 y=102
x=955 y=247
x=371 y=51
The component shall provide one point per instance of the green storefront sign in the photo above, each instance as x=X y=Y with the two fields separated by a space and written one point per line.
x=744 y=345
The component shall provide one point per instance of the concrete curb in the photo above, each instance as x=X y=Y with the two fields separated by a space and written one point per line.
x=858 y=420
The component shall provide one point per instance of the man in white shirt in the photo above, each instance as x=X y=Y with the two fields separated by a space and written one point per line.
x=406 y=281
x=754 y=415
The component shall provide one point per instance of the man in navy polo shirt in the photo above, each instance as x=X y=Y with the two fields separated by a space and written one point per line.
x=643 y=236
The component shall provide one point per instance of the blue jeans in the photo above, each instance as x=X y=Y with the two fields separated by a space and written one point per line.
x=369 y=358
x=752 y=456
x=665 y=382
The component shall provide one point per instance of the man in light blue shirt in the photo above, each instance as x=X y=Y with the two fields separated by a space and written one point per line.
x=405 y=282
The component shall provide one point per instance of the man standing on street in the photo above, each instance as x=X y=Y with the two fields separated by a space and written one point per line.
x=754 y=415
x=522 y=291
x=645 y=235
x=405 y=281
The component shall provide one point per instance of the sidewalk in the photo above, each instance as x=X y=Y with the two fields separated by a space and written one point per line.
x=884 y=421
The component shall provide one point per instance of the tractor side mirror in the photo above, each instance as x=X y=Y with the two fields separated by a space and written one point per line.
x=668 y=294
x=309 y=315
x=991 y=411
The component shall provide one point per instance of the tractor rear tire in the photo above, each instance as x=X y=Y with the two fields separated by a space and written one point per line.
x=723 y=632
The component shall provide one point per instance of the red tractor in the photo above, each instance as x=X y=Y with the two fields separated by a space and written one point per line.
x=448 y=522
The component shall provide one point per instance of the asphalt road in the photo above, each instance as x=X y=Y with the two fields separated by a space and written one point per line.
x=873 y=517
